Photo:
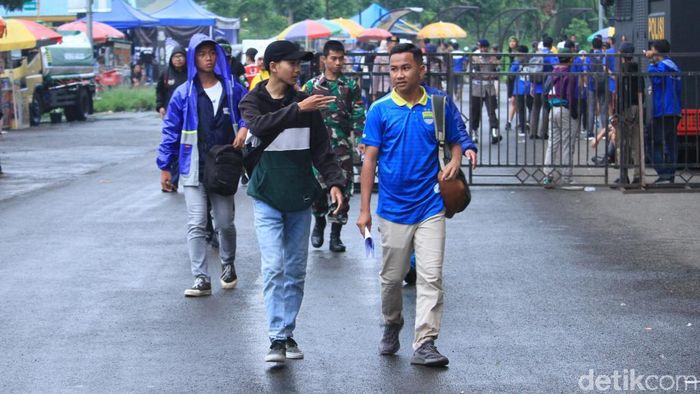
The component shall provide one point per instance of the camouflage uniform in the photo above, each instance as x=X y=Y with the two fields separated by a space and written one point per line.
x=344 y=120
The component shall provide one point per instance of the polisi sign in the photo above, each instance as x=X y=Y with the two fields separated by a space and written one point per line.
x=657 y=26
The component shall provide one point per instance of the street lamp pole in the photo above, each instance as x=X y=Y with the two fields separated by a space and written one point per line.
x=328 y=12
x=89 y=21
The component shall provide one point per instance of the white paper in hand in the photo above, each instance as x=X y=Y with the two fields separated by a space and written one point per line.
x=369 y=244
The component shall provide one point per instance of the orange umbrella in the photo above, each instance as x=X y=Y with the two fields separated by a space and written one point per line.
x=374 y=33
x=100 y=31
x=441 y=30
x=25 y=34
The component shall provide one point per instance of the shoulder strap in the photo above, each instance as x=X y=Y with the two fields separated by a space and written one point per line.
x=438 y=102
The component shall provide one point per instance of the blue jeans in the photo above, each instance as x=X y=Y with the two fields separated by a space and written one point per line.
x=284 y=247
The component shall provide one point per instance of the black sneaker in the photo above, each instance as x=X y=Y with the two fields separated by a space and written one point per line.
x=390 y=340
x=428 y=355
x=201 y=287
x=277 y=352
x=293 y=352
x=228 y=276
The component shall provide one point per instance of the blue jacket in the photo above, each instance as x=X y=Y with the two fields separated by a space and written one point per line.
x=522 y=85
x=465 y=141
x=666 y=88
x=181 y=122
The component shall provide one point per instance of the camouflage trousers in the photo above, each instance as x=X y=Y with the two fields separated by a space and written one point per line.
x=322 y=206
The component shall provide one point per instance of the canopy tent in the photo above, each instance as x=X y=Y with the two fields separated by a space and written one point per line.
x=183 y=18
x=375 y=12
x=189 y=13
x=124 y=16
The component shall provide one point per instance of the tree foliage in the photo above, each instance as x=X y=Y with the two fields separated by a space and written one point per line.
x=12 y=4
x=263 y=18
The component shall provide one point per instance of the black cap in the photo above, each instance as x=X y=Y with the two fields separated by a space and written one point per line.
x=284 y=50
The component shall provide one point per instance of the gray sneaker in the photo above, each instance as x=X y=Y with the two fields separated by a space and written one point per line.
x=390 y=340
x=293 y=351
x=276 y=353
x=201 y=287
x=428 y=355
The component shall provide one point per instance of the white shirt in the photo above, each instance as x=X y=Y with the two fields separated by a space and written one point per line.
x=214 y=94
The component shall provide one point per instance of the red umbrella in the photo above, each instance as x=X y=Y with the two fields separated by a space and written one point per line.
x=100 y=31
x=374 y=33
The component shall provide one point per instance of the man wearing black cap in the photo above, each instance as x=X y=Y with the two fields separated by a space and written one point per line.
x=287 y=138
x=483 y=91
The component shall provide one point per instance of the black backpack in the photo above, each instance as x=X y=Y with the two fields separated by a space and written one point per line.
x=222 y=169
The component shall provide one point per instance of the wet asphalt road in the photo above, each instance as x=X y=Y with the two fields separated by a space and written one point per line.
x=541 y=286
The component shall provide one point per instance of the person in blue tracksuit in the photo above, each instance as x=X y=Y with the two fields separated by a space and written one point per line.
x=662 y=142
x=203 y=112
x=521 y=88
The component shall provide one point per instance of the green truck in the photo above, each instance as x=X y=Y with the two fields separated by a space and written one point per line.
x=61 y=77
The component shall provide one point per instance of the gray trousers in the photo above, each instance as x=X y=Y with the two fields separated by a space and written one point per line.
x=560 y=146
x=223 y=211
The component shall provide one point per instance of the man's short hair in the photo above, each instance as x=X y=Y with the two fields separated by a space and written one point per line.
x=408 y=48
x=597 y=43
x=333 y=45
x=661 y=46
x=251 y=52
x=522 y=48
x=547 y=42
x=426 y=41
x=569 y=44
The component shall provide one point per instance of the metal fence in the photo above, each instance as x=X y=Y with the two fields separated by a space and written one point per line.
x=604 y=137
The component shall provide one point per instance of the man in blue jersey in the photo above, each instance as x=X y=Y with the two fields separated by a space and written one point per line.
x=662 y=143
x=400 y=135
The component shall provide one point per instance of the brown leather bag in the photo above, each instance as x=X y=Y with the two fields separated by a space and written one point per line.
x=455 y=192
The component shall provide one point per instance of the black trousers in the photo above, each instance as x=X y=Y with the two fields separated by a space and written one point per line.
x=523 y=104
x=539 y=116
x=476 y=103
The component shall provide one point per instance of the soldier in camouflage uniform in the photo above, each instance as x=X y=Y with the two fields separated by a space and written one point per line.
x=344 y=120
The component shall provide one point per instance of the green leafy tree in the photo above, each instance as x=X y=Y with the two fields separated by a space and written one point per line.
x=12 y=4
